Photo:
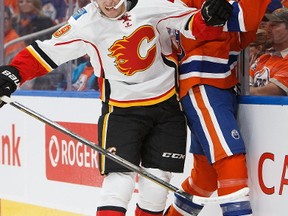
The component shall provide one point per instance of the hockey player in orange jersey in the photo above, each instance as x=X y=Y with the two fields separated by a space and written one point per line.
x=207 y=82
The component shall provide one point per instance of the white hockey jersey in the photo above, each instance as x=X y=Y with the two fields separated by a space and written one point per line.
x=131 y=55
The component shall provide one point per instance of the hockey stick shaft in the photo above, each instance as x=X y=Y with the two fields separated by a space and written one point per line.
x=92 y=145
x=196 y=199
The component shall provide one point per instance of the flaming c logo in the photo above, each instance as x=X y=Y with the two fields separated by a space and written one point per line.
x=135 y=52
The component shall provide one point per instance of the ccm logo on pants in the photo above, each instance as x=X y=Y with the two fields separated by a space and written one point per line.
x=173 y=155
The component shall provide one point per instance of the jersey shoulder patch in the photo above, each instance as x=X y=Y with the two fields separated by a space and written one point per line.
x=61 y=31
x=79 y=13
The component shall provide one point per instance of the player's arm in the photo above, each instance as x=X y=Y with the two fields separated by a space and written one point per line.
x=270 y=89
x=207 y=23
x=243 y=10
x=23 y=67
x=40 y=58
x=30 y=63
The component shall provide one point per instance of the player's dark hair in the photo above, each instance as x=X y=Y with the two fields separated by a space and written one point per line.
x=131 y=4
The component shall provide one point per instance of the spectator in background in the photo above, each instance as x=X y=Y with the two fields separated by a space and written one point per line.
x=269 y=73
x=13 y=5
x=83 y=78
x=264 y=25
x=259 y=46
x=9 y=35
x=55 y=9
x=31 y=19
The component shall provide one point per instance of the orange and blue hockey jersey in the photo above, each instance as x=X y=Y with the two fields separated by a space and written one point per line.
x=214 y=62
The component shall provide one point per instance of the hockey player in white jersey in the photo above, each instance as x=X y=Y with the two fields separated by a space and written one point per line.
x=129 y=48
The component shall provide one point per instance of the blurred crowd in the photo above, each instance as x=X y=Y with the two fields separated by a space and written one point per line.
x=268 y=53
x=24 y=17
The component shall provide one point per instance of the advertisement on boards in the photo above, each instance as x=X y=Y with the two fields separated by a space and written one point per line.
x=43 y=167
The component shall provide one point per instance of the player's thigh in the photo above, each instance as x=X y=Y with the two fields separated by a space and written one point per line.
x=165 y=147
x=122 y=132
x=211 y=115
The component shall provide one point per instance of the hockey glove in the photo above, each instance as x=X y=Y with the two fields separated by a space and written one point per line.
x=9 y=81
x=216 y=12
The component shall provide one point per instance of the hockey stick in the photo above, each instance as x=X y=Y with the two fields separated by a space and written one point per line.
x=196 y=199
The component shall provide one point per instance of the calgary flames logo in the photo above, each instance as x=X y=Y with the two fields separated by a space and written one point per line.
x=135 y=52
